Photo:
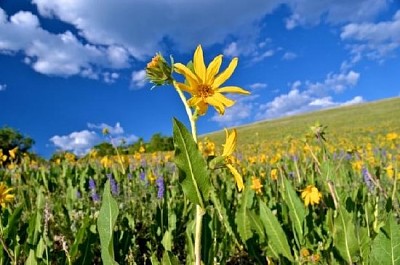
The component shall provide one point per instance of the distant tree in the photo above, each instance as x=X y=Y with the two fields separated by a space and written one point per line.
x=160 y=143
x=104 y=149
x=11 y=138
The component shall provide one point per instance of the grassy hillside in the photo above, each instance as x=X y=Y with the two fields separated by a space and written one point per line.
x=380 y=116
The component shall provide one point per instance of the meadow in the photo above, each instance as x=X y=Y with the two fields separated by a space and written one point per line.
x=319 y=188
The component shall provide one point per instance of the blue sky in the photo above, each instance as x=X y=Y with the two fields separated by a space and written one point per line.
x=69 y=68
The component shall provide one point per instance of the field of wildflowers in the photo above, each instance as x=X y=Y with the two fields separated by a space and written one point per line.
x=317 y=198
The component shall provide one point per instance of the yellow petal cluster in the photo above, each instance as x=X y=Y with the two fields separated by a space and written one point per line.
x=5 y=196
x=229 y=148
x=311 y=195
x=204 y=83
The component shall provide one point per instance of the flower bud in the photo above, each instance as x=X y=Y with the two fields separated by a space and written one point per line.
x=158 y=71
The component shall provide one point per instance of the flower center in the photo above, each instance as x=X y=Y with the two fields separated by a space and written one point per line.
x=204 y=91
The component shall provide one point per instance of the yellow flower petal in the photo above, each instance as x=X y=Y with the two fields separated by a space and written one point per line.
x=183 y=87
x=238 y=178
x=233 y=89
x=230 y=144
x=221 y=78
x=213 y=69
x=224 y=100
x=189 y=75
x=217 y=104
x=198 y=63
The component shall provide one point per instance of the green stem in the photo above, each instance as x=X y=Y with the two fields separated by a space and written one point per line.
x=199 y=210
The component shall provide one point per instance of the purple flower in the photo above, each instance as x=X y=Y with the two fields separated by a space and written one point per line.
x=95 y=197
x=113 y=184
x=129 y=176
x=142 y=176
x=367 y=178
x=78 y=194
x=92 y=185
x=160 y=186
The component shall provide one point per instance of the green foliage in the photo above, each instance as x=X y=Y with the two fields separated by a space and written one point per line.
x=195 y=181
x=105 y=225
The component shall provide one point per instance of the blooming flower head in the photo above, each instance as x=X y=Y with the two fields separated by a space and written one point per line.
x=256 y=185
x=229 y=148
x=13 y=152
x=311 y=195
x=204 y=83
x=5 y=196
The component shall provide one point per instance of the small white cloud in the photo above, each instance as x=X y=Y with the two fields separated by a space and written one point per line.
x=77 y=142
x=262 y=56
x=25 y=19
x=236 y=114
x=3 y=87
x=113 y=130
x=110 y=78
x=232 y=50
x=80 y=142
x=138 y=79
x=258 y=85
x=355 y=100
x=289 y=56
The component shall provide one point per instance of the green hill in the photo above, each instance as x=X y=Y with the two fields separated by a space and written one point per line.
x=380 y=116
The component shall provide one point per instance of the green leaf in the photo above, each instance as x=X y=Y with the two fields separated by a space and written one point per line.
x=80 y=236
x=105 y=225
x=277 y=240
x=31 y=260
x=242 y=216
x=344 y=237
x=222 y=215
x=386 y=245
x=169 y=259
x=297 y=212
x=196 y=183
x=167 y=241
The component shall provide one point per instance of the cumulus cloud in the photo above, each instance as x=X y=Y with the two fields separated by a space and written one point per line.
x=309 y=96
x=77 y=142
x=3 y=87
x=138 y=79
x=250 y=49
x=80 y=142
x=374 y=41
x=333 y=11
x=55 y=54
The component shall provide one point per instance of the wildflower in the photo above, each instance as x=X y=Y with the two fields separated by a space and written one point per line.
x=274 y=174
x=392 y=136
x=158 y=71
x=304 y=252
x=390 y=171
x=142 y=149
x=13 y=152
x=113 y=185
x=92 y=187
x=5 y=196
x=204 y=83
x=311 y=195
x=151 y=177
x=256 y=185
x=160 y=186
x=367 y=178
x=229 y=148
x=143 y=176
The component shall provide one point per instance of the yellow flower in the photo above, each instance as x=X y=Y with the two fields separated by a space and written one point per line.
x=229 y=148
x=204 y=83
x=5 y=196
x=142 y=149
x=13 y=152
x=256 y=185
x=391 y=136
x=390 y=171
x=311 y=195
x=274 y=174
x=106 y=162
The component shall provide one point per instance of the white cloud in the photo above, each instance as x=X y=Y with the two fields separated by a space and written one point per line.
x=3 y=87
x=236 y=114
x=80 y=142
x=355 y=100
x=289 y=56
x=77 y=142
x=110 y=77
x=55 y=54
x=314 y=96
x=372 y=40
x=332 y=11
x=138 y=79
x=256 y=52
x=258 y=85
x=113 y=130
